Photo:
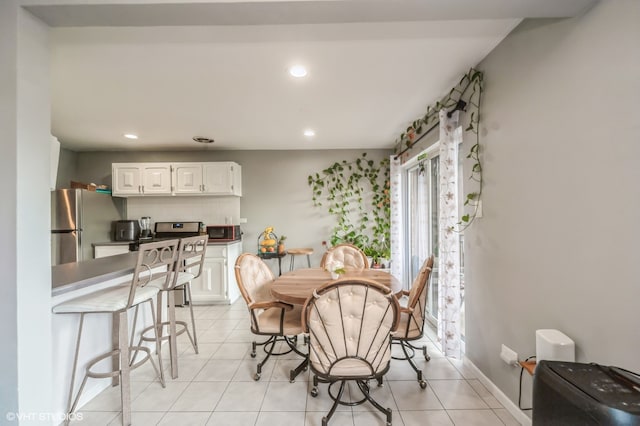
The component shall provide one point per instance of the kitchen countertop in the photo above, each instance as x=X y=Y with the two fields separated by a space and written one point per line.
x=77 y=275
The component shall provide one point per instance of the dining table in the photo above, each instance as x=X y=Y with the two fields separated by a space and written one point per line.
x=296 y=286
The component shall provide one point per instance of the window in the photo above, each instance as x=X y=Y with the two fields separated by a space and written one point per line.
x=421 y=180
x=421 y=233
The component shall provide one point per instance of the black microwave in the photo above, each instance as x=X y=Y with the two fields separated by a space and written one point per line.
x=224 y=232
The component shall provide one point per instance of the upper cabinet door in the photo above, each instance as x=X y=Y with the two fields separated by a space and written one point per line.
x=187 y=178
x=141 y=179
x=126 y=179
x=156 y=179
x=221 y=178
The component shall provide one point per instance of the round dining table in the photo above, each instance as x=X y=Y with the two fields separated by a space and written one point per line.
x=295 y=287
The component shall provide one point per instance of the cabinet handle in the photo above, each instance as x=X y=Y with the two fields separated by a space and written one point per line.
x=143 y=189
x=140 y=188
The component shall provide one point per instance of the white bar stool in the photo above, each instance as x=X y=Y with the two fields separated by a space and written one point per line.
x=155 y=263
x=188 y=267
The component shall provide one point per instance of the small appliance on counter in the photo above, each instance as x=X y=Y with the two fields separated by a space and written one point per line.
x=224 y=233
x=145 y=228
x=126 y=230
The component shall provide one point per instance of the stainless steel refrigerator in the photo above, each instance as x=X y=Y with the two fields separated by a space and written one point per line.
x=80 y=218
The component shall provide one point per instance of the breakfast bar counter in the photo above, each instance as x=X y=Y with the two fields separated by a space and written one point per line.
x=77 y=275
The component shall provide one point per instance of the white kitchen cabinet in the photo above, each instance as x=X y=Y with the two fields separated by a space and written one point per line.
x=217 y=282
x=139 y=179
x=187 y=178
x=222 y=178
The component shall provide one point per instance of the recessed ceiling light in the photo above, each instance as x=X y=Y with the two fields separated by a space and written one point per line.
x=309 y=133
x=130 y=136
x=298 y=71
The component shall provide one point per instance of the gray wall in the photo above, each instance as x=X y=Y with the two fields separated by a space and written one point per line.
x=557 y=246
x=67 y=168
x=274 y=185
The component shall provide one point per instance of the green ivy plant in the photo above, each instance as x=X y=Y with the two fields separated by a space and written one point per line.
x=469 y=90
x=357 y=193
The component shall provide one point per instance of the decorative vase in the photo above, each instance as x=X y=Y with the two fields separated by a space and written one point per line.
x=334 y=275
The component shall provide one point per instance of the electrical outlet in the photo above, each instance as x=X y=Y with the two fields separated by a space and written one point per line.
x=509 y=356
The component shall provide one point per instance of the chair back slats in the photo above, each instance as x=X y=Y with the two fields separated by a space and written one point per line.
x=349 y=323
x=347 y=254
x=418 y=299
x=155 y=261
x=191 y=254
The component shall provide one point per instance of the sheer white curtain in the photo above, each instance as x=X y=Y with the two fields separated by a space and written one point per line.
x=397 y=240
x=449 y=250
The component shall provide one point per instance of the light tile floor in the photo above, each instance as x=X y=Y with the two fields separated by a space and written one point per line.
x=216 y=387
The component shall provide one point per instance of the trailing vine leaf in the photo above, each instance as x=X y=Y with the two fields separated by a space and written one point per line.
x=358 y=197
x=469 y=89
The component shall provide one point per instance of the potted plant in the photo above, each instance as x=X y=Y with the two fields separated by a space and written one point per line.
x=281 y=248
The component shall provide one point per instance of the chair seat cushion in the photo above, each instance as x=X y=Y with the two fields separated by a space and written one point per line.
x=108 y=300
x=414 y=330
x=183 y=278
x=269 y=321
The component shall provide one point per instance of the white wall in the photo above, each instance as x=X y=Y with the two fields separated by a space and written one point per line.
x=209 y=210
x=25 y=384
x=557 y=246
x=8 y=191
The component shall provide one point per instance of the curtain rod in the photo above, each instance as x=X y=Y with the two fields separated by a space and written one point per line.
x=460 y=105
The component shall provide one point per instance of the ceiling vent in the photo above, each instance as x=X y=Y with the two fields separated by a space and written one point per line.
x=201 y=139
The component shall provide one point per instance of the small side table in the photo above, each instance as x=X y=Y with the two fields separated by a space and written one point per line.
x=297 y=252
x=274 y=255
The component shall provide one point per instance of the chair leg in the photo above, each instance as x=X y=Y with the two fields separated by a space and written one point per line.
x=421 y=382
x=160 y=370
x=270 y=344
x=194 y=341
x=173 y=348
x=125 y=378
x=336 y=401
x=423 y=349
x=72 y=402
x=365 y=391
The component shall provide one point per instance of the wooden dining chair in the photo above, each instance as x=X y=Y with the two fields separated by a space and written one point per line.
x=347 y=254
x=280 y=321
x=350 y=322
x=412 y=318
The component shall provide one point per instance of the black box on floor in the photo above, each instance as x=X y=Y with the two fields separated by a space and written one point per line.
x=570 y=393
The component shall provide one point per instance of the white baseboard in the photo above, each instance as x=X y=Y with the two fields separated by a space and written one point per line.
x=509 y=405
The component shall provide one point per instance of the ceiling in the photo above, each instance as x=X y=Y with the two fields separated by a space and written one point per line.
x=168 y=72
